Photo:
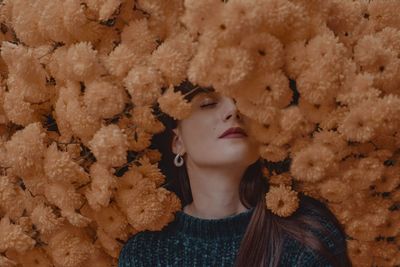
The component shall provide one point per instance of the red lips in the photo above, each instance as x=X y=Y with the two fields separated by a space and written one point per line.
x=233 y=130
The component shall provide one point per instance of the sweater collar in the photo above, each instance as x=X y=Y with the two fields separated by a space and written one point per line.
x=212 y=228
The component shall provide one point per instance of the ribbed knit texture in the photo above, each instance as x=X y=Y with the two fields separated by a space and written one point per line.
x=192 y=241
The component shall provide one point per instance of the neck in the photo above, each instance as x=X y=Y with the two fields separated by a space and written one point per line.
x=215 y=191
x=227 y=227
x=192 y=211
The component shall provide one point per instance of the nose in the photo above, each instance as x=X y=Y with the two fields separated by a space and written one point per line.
x=231 y=110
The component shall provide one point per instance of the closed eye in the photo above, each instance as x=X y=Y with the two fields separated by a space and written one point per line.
x=206 y=105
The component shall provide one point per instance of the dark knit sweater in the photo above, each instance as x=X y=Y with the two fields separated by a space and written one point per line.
x=192 y=241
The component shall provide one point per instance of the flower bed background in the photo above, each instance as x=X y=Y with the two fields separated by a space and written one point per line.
x=318 y=80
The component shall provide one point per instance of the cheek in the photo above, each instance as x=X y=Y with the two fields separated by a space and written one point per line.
x=199 y=135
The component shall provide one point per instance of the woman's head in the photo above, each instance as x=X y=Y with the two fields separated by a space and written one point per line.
x=197 y=137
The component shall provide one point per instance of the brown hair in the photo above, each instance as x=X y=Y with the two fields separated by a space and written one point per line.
x=264 y=236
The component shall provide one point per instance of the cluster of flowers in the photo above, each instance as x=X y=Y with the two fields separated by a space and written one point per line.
x=98 y=68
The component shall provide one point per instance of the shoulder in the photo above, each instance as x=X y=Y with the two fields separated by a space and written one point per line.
x=130 y=252
x=323 y=222
x=319 y=221
x=139 y=247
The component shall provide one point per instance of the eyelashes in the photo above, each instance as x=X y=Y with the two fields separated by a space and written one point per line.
x=206 y=105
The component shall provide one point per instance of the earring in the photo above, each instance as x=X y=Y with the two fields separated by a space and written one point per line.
x=180 y=162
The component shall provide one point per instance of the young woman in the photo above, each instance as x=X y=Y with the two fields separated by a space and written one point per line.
x=224 y=221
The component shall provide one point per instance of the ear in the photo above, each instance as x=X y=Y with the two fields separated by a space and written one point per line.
x=177 y=144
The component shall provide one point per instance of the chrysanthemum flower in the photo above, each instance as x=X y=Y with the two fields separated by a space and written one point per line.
x=319 y=83
x=17 y=109
x=344 y=19
x=277 y=179
x=104 y=9
x=153 y=211
x=383 y=14
x=392 y=226
x=11 y=197
x=365 y=172
x=313 y=163
x=292 y=121
x=110 y=245
x=143 y=84
x=12 y=237
x=143 y=117
x=172 y=57
x=375 y=56
x=109 y=145
x=286 y=20
x=25 y=150
x=360 y=252
x=138 y=37
x=28 y=66
x=315 y=112
x=272 y=152
x=138 y=139
x=267 y=89
x=78 y=62
x=231 y=66
x=145 y=211
x=36 y=257
x=131 y=186
x=100 y=190
x=325 y=48
x=282 y=200
x=122 y=59
x=240 y=16
x=263 y=114
x=77 y=24
x=199 y=65
x=359 y=89
x=300 y=144
x=334 y=190
x=389 y=180
x=151 y=171
x=154 y=155
x=69 y=247
x=81 y=62
x=359 y=124
x=104 y=99
x=388 y=111
x=6 y=262
x=174 y=104
x=295 y=58
x=58 y=166
x=24 y=22
x=45 y=220
x=113 y=221
x=197 y=14
x=263 y=132
x=65 y=197
x=332 y=120
x=82 y=123
x=361 y=229
x=51 y=23
x=164 y=16
x=334 y=141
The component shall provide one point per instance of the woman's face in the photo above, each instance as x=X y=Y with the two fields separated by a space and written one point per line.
x=198 y=135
